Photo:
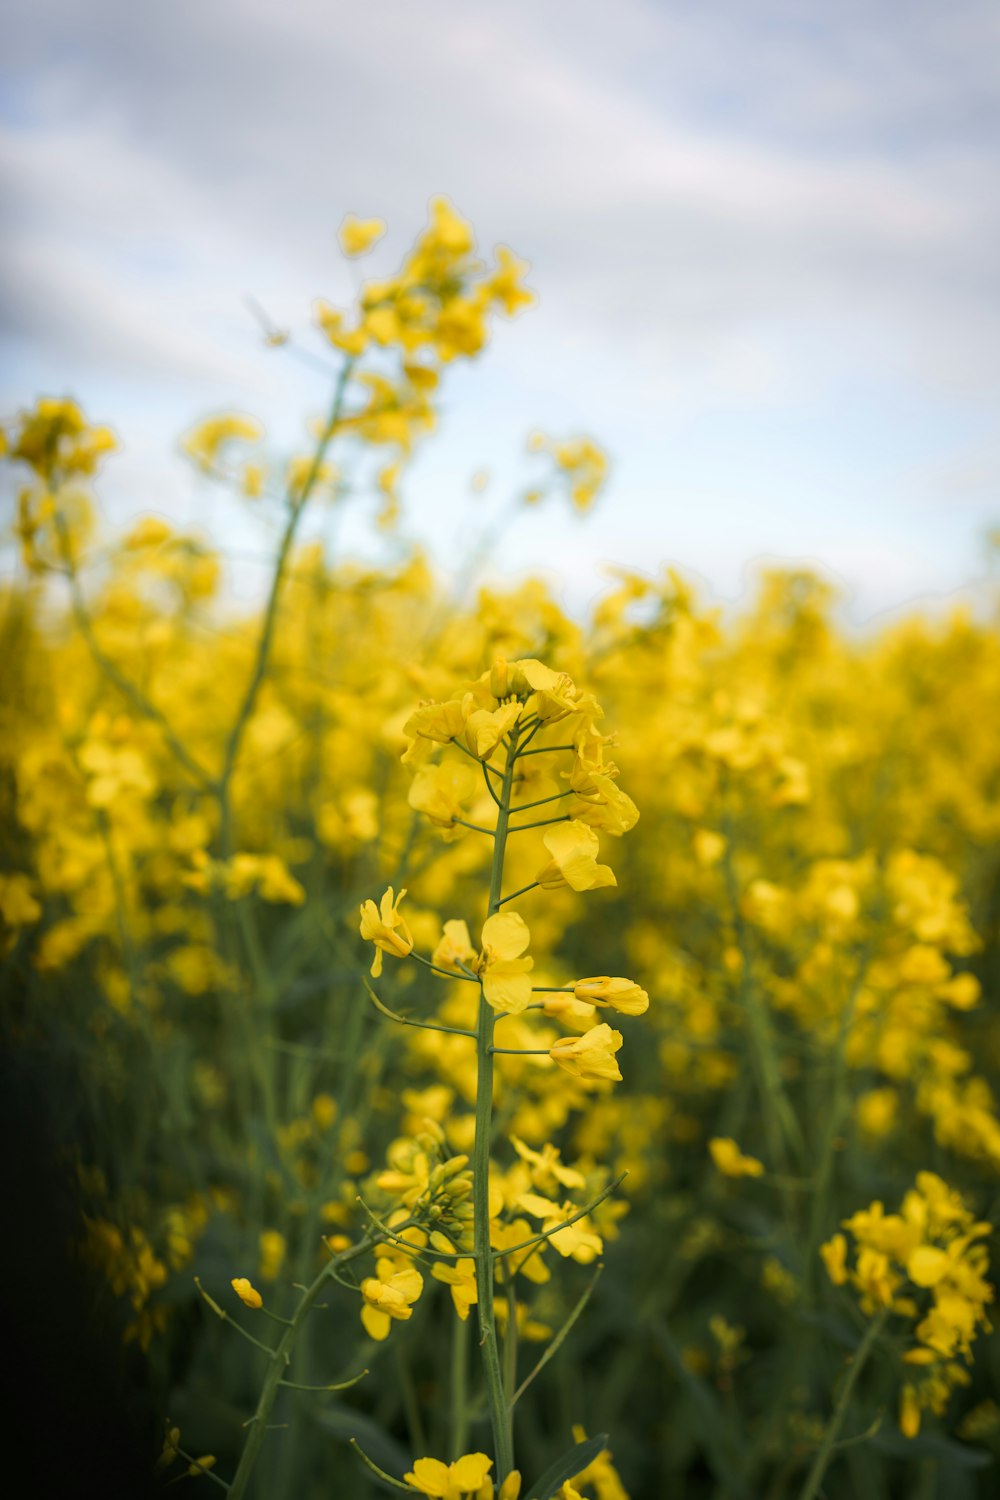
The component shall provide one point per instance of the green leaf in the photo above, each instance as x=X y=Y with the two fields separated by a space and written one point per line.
x=931 y=1445
x=572 y=1462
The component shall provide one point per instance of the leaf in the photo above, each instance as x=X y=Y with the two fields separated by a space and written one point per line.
x=931 y=1445
x=346 y=1423
x=567 y=1467
x=714 y=1432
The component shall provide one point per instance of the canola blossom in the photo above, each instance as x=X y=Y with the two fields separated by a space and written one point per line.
x=481 y=1019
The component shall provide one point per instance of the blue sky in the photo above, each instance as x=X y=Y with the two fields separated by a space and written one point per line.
x=763 y=234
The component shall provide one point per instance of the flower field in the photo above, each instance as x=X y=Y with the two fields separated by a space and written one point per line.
x=491 y=1051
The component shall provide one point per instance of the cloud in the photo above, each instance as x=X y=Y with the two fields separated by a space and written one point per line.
x=730 y=207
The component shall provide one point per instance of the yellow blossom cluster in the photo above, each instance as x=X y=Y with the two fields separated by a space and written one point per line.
x=927 y=1266
x=253 y=916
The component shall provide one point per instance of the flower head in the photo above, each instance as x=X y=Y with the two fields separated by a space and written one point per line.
x=623 y=995
x=389 y=1294
x=503 y=971
x=467 y=1476
x=574 y=849
x=247 y=1293
x=359 y=235
x=383 y=926
x=731 y=1162
x=591 y=1056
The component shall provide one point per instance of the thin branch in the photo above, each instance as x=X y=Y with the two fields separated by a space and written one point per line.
x=369 y=1463
x=489 y=785
x=514 y=894
x=406 y=1021
x=541 y=823
x=526 y=806
x=545 y=749
x=559 y=1340
x=490 y=833
x=343 y=1385
x=226 y=1318
x=447 y=973
x=522 y=1051
x=485 y=764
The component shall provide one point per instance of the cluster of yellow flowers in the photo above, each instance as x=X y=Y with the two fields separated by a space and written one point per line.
x=926 y=1265
x=198 y=799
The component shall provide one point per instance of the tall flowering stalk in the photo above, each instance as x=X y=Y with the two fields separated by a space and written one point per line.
x=524 y=723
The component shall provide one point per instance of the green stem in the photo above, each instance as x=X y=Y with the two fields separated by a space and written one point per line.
x=821 y=1462
x=280 y=1360
x=296 y=506
x=483 y=1253
x=836 y=1114
x=458 y=1418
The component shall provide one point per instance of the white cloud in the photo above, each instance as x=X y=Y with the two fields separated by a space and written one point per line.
x=779 y=208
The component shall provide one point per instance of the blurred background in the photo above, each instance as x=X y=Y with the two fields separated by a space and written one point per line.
x=763 y=238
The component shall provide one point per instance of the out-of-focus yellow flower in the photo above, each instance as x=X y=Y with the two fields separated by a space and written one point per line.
x=923 y=1264
x=357 y=236
x=18 y=906
x=352 y=341
x=383 y=926
x=504 y=973
x=455 y=947
x=206 y=443
x=601 y=1472
x=272 y=1253
x=731 y=1162
x=591 y=1056
x=440 y=792
x=504 y=283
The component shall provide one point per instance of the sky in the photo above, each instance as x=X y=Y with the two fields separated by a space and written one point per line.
x=763 y=237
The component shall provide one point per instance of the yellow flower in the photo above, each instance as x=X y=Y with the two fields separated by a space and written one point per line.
x=601 y=1472
x=606 y=806
x=731 y=1162
x=466 y=1476
x=383 y=926
x=909 y=1412
x=359 y=235
x=623 y=995
x=436 y=721
x=205 y=444
x=485 y=728
x=504 y=283
x=574 y=849
x=440 y=792
x=18 y=907
x=353 y=341
x=389 y=1294
x=461 y=1277
x=455 y=947
x=272 y=1253
x=247 y=1293
x=503 y=972
x=591 y=1056
x=834 y=1254
x=577 y=1240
